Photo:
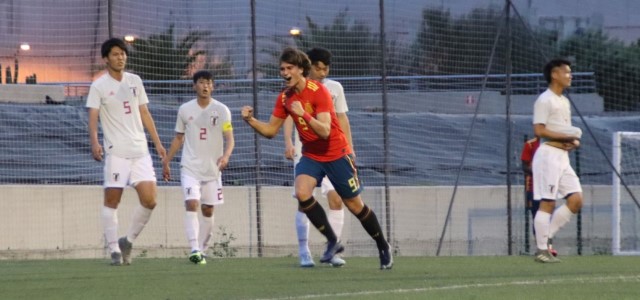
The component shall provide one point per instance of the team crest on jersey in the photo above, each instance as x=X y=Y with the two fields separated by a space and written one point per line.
x=134 y=90
x=308 y=107
x=214 y=119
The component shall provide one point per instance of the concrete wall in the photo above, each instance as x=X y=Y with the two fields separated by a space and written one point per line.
x=30 y=93
x=63 y=222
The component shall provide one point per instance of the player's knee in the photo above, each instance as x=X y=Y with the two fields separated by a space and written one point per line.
x=207 y=210
x=191 y=205
x=149 y=204
x=302 y=195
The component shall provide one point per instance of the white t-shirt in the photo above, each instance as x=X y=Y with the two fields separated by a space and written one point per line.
x=339 y=102
x=554 y=111
x=203 y=129
x=119 y=104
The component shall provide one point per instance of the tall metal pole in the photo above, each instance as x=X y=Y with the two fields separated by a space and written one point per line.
x=509 y=70
x=256 y=140
x=109 y=16
x=385 y=122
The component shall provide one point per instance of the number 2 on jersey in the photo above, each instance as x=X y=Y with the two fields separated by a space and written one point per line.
x=203 y=134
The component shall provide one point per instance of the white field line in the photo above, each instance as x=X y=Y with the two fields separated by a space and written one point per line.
x=634 y=278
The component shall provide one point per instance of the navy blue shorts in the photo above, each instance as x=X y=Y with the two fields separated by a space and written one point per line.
x=342 y=173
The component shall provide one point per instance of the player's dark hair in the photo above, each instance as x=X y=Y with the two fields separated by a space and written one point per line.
x=554 y=63
x=202 y=74
x=113 y=42
x=298 y=58
x=319 y=55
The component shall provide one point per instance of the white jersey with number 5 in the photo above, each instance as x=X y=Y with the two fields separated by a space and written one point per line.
x=119 y=104
x=339 y=102
x=203 y=129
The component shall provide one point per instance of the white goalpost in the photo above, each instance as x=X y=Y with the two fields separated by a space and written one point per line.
x=625 y=209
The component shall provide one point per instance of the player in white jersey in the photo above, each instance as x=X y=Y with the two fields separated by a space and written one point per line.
x=119 y=101
x=202 y=125
x=321 y=61
x=553 y=176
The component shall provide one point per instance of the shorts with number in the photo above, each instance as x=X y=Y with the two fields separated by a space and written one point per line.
x=342 y=173
x=553 y=176
x=120 y=172
x=325 y=185
x=207 y=192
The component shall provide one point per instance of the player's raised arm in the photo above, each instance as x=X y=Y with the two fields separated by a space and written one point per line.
x=320 y=125
x=289 y=148
x=268 y=130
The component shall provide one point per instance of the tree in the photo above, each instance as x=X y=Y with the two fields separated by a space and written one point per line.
x=163 y=57
x=616 y=67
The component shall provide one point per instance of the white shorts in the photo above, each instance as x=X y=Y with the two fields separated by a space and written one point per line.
x=553 y=176
x=207 y=192
x=120 y=172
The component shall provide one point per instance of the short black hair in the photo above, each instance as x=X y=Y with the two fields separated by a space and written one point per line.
x=319 y=55
x=554 y=63
x=113 y=42
x=297 y=58
x=202 y=74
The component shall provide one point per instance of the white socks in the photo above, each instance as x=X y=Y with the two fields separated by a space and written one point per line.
x=206 y=231
x=541 y=223
x=302 y=228
x=192 y=226
x=141 y=216
x=560 y=217
x=547 y=225
x=110 y=227
x=336 y=220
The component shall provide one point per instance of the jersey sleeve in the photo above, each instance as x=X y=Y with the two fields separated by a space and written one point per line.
x=340 y=101
x=93 y=99
x=142 y=97
x=278 y=110
x=541 y=111
x=226 y=120
x=180 y=123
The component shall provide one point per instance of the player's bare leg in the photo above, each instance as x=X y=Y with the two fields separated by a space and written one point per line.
x=109 y=217
x=370 y=223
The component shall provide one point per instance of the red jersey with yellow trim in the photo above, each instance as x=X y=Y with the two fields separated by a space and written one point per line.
x=315 y=99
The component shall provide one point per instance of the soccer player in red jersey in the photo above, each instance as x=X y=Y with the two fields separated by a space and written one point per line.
x=325 y=151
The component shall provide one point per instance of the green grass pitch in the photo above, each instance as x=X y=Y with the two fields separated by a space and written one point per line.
x=516 y=277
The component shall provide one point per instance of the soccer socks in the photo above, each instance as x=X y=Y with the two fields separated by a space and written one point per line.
x=206 y=231
x=318 y=218
x=560 y=217
x=141 y=216
x=302 y=228
x=542 y=224
x=192 y=226
x=370 y=223
x=336 y=219
x=110 y=226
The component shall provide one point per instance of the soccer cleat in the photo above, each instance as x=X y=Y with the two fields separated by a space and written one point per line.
x=550 y=246
x=197 y=258
x=545 y=256
x=386 y=259
x=333 y=248
x=116 y=258
x=337 y=262
x=125 y=247
x=306 y=261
